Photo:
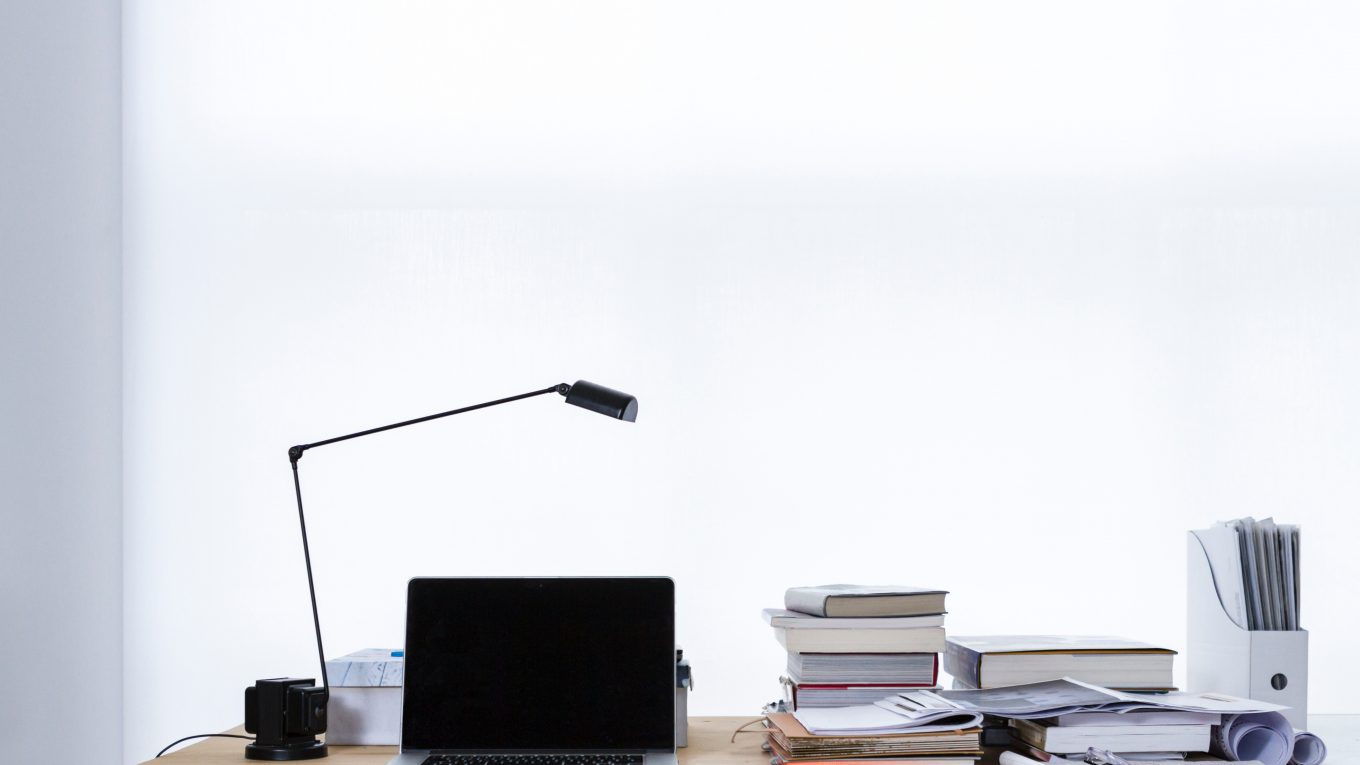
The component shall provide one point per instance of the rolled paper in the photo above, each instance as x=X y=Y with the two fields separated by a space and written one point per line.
x=1308 y=749
x=1264 y=736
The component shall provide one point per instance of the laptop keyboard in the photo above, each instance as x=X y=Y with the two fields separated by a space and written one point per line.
x=533 y=759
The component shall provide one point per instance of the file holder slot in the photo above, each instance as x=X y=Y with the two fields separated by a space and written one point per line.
x=1266 y=665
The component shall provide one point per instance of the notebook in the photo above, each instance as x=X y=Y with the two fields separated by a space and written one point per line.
x=529 y=666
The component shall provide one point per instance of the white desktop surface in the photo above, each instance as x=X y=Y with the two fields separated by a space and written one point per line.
x=1341 y=734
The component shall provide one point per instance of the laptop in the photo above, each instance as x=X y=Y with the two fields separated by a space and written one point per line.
x=539 y=671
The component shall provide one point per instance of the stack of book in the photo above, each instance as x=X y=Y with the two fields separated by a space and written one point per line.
x=791 y=742
x=998 y=661
x=874 y=734
x=850 y=645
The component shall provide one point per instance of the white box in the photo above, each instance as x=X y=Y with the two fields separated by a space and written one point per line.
x=1265 y=665
x=365 y=705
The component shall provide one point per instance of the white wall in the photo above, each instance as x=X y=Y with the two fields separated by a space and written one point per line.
x=60 y=382
x=997 y=298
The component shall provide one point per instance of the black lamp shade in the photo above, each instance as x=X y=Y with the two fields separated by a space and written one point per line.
x=606 y=401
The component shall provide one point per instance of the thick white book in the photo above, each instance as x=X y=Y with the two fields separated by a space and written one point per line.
x=1138 y=717
x=807 y=695
x=782 y=617
x=1056 y=739
x=996 y=661
x=919 y=640
x=915 y=669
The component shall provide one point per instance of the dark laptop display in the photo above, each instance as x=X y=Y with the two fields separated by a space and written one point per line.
x=549 y=664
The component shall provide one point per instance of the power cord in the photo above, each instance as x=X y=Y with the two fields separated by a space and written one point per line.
x=202 y=735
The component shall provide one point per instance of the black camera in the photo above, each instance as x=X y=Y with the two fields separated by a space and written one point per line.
x=286 y=714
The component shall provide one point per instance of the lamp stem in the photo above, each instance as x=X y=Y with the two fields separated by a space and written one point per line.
x=311 y=587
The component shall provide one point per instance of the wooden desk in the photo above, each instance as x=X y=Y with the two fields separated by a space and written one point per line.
x=708 y=745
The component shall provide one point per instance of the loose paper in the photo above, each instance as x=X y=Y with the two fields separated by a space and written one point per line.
x=869 y=719
x=1308 y=749
x=1264 y=736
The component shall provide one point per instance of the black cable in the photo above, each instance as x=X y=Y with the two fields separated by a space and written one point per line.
x=202 y=735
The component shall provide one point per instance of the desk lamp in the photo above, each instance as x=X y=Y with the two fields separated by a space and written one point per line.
x=286 y=714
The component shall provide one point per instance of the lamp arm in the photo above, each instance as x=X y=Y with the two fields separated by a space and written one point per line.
x=295 y=454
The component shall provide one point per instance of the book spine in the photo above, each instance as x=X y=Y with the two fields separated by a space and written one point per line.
x=804 y=602
x=963 y=663
x=922 y=640
x=1030 y=734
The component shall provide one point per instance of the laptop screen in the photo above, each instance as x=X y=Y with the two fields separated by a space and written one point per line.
x=524 y=664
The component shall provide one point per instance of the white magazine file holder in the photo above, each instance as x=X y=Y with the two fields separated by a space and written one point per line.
x=1265 y=665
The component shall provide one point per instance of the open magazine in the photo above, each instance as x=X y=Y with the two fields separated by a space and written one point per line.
x=1060 y=697
x=874 y=720
x=919 y=711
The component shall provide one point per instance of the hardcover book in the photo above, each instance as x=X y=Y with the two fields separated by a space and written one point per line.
x=1044 y=735
x=854 y=600
x=920 y=640
x=782 y=617
x=993 y=661
x=802 y=695
x=914 y=669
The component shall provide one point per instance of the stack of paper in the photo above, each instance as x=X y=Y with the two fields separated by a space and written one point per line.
x=883 y=718
x=1256 y=571
x=792 y=742
x=1063 y=697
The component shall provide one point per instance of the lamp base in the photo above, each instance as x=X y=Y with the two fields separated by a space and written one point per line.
x=286 y=714
x=311 y=750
